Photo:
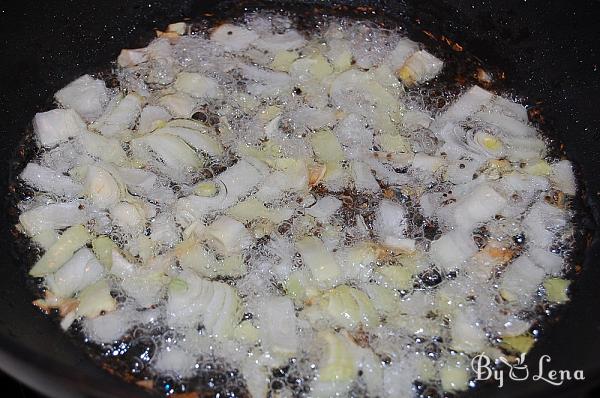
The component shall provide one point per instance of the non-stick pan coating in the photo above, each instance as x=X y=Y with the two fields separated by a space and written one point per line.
x=548 y=49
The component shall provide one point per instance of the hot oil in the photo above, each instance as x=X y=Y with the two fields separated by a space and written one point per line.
x=215 y=372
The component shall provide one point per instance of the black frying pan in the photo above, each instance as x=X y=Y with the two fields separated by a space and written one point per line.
x=548 y=50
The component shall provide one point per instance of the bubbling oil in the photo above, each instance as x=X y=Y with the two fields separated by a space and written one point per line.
x=142 y=351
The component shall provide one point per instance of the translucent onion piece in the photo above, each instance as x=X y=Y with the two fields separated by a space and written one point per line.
x=56 y=126
x=48 y=180
x=86 y=95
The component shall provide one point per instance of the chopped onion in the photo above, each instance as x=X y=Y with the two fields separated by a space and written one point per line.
x=420 y=67
x=48 y=180
x=324 y=269
x=325 y=208
x=197 y=85
x=227 y=235
x=277 y=327
x=101 y=187
x=106 y=149
x=563 y=177
x=467 y=334
x=348 y=308
x=390 y=221
x=290 y=40
x=152 y=117
x=199 y=140
x=452 y=249
x=81 y=270
x=60 y=252
x=121 y=114
x=86 y=95
x=179 y=104
x=233 y=38
x=480 y=205
x=51 y=217
x=95 y=300
x=56 y=126
x=521 y=280
x=216 y=305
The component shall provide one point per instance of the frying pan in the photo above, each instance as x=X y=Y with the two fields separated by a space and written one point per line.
x=548 y=51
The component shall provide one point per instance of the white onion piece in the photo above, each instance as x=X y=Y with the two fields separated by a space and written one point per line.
x=120 y=266
x=313 y=119
x=364 y=181
x=175 y=360
x=101 y=187
x=355 y=261
x=509 y=108
x=128 y=216
x=132 y=57
x=49 y=180
x=353 y=135
x=452 y=249
x=290 y=40
x=164 y=230
x=56 y=126
x=46 y=238
x=86 y=95
x=525 y=148
x=233 y=38
x=468 y=103
x=337 y=368
x=398 y=56
x=420 y=67
x=542 y=223
x=109 y=327
x=398 y=378
x=427 y=163
x=227 y=235
x=138 y=178
x=523 y=183
x=179 y=104
x=121 y=114
x=95 y=299
x=106 y=149
x=151 y=118
x=467 y=334
x=325 y=208
x=234 y=183
x=266 y=83
x=196 y=139
x=508 y=124
x=52 y=216
x=81 y=270
x=277 y=327
x=146 y=284
x=480 y=205
x=548 y=261
x=323 y=266
x=197 y=85
x=356 y=92
x=215 y=305
x=171 y=150
x=563 y=177
x=390 y=221
x=521 y=280
x=339 y=54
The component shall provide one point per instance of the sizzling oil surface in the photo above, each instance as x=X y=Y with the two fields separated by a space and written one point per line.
x=414 y=342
